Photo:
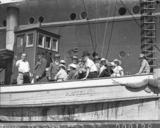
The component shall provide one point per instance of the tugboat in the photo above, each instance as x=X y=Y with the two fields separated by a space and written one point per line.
x=114 y=29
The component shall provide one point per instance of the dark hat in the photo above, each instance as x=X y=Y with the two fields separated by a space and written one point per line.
x=85 y=53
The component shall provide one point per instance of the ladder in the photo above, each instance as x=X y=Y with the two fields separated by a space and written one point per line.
x=148 y=31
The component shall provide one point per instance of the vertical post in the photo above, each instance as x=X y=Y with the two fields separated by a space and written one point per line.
x=12 y=22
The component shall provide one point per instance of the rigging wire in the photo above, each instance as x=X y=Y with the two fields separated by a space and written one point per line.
x=112 y=26
x=96 y=31
x=105 y=31
x=89 y=27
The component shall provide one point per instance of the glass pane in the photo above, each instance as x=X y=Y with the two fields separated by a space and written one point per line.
x=30 y=39
x=48 y=42
x=40 y=40
x=20 y=41
x=55 y=45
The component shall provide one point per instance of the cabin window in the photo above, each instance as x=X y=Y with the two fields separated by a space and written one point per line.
x=41 y=40
x=55 y=45
x=4 y=23
x=29 y=40
x=122 y=11
x=48 y=42
x=20 y=41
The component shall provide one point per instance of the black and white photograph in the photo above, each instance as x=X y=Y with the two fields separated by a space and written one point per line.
x=79 y=63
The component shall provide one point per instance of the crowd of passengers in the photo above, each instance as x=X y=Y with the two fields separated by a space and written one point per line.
x=81 y=68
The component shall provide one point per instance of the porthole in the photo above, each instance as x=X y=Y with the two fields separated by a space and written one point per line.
x=41 y=19
x=31 y=20
x=73 y=16
x=4 y=23
x=136 y=9
x=122 y=54
x=122 y=11
x=83 y=15
x=157 y=2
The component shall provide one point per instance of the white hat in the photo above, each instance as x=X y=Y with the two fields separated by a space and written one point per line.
x=116 y=60
x=73 y=66
x=112 y=64
x=62 y=61
x=141 y=55
x=62 y=65
x=103 y=59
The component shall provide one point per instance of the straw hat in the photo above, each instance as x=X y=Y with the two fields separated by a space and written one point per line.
x=62 y=65
x=62 y=61
x=103 y=59
x=73 y=66
x=116 y=60
x=141 y=55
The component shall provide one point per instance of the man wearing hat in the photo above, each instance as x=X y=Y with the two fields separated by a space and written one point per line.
x=145 y=67
x=91 y=69
x=74 y=60
x=40 y=68
x=96 y=60
x=54 y=67
x=63 y=62
x=72 y=75
x=105 y=70
x=117 y=70
x=61 y=74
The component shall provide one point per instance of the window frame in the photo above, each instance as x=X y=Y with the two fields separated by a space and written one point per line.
x=43 y=40
x=23 y=37
x=27 y=39
x=49 y=42
x=57 y=45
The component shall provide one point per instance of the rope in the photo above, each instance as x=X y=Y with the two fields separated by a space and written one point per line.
x=89 y=28
x=105 y=32
x=109 y=42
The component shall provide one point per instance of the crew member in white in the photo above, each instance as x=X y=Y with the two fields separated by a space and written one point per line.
x=61 y=74
x=91 y=69
x=23 y=70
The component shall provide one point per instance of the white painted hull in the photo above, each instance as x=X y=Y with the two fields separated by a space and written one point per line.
x=76 y=92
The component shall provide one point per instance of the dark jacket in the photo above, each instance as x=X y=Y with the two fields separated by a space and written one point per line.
x=53 y=69
x=107 y=72
x=72 y=75
x=40 y=67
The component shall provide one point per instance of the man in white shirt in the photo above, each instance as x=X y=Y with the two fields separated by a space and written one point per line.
x=23 y=70
x=91 y=69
